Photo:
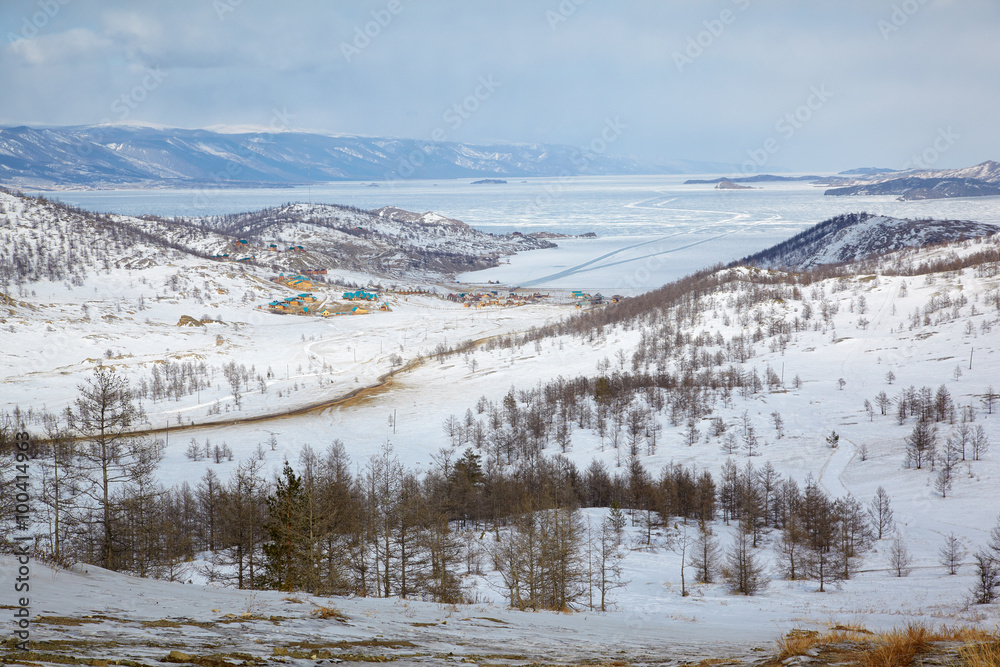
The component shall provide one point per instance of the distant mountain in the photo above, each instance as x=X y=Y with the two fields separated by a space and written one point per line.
x=759 y=178
x=977 y=181
x=117 y=156
x=857 y=236
x=867 y=171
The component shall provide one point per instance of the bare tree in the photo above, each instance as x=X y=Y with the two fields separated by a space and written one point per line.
x=899 y=557
x=987 y=577
x=705 y=554
x=951 y=553
x=920 y=444
x=880 y=513
x=111 y=457
x=609 y=558
x=980 y=443
x=743 y=572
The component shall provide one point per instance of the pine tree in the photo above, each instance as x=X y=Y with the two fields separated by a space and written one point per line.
x=285 y=550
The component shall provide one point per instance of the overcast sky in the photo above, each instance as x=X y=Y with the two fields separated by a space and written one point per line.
x=794 y=84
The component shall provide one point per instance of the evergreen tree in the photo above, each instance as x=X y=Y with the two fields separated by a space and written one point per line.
x=287 y=535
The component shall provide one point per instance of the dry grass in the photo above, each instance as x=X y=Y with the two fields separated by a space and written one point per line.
x=328 y=613
x=897 y=648
x=981 y=654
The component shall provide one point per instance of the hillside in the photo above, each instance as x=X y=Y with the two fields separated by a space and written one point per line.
x=981 y=180
x=42 y=239
x=714 y=406
x=858 y=236
x=120 y=155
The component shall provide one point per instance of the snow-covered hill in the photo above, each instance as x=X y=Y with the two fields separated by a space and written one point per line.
x=41 y=239
x=976 y=181
x=388 y=242
x=857 y=236
x=744 y=369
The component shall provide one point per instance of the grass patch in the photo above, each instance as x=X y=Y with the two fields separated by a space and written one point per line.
x=329 y=613
x=69 y=620
x=854 y=645
x=981 y=654
x=361 y=643
x=161 y=623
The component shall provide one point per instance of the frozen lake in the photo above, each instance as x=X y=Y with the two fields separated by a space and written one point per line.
x=650 y=229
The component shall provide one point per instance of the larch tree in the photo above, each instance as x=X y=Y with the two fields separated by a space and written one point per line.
x=880 y=513
x=951 y=553
x=110 y=456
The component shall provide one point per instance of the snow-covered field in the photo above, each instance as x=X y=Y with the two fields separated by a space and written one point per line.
x=49 y=345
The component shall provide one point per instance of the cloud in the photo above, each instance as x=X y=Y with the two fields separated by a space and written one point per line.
x=561 y=79
x=65 y=47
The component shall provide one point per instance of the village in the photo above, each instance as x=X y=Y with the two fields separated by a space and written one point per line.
x=306 y=303
x=367 y=300
x=364 y=301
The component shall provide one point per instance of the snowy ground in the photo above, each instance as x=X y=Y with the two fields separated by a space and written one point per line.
x=50 y=345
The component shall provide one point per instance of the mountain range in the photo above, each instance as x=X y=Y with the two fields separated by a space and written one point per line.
x=100 y=156
x=977 y=181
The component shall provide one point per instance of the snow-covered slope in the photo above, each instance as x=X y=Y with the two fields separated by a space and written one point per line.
x=41 y=239
x=857 y=236
x=819 y=348
x=976 y=181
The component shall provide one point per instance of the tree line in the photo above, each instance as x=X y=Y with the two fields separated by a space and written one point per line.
x=383 y=530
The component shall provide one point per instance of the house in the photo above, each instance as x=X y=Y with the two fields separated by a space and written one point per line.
x=360 y=295
x=272 y=248
x=307 y=297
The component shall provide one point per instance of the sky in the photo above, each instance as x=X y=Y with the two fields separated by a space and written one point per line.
x=782 y=84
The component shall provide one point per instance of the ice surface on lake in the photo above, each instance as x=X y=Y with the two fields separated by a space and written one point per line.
x=651 y=229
